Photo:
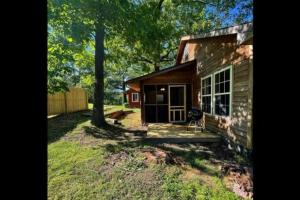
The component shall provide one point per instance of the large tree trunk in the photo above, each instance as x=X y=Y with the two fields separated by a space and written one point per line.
x=98 y=112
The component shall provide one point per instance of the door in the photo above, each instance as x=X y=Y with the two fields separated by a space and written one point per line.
x=177 y=103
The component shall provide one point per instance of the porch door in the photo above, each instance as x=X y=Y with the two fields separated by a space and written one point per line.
x=177 y=103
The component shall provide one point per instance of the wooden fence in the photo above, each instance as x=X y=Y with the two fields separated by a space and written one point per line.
x=74 y=100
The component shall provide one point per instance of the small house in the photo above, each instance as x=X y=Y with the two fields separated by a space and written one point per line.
x=213 y=72
x=133 y=98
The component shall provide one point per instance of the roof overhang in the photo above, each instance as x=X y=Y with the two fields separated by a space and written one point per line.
x=163 y=71
x=248 y=27
x=244 y=32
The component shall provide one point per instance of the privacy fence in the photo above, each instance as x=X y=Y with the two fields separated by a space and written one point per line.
x=74 y=100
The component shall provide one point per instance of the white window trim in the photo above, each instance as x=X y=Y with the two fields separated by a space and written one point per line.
x=138 y=98
x=207 y=95
x=213 y=99
x=230 y=93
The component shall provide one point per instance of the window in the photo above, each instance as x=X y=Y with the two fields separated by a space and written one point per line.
x=206 y=94
x=135 y=97
x=216 y=93
x=222 y=82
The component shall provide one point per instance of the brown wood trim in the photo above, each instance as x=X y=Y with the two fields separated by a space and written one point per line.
x=175 y=67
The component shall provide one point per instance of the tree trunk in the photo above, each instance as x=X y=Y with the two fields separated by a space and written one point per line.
x=98 y=112
x=156 y=67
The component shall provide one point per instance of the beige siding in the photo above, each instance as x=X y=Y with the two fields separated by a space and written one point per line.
x=213 y=54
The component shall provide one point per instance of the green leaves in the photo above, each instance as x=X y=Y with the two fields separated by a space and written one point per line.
x=139 y=34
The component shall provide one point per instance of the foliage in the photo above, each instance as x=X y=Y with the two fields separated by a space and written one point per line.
x=139 y=36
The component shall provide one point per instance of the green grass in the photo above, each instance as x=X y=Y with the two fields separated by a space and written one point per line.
x=192 y=189
x=85 y=162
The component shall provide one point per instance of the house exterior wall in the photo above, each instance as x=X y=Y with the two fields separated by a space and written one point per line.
x=129 y=98
x=216 y=53
x=185 y=75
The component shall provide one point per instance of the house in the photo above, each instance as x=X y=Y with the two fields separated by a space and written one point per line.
x=133 y=98
x=213 y=71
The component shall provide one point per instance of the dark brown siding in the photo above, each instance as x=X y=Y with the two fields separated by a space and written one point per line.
x=183 y=76
x=130 y=103
x=187 y=75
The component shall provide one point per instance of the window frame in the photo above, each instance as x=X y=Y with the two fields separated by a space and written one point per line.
x=213 y=94
x=138 y=97
x=230 y=91
x=206 y=95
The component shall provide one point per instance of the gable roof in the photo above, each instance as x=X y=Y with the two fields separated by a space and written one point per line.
x=163 y=71
x=243 y=32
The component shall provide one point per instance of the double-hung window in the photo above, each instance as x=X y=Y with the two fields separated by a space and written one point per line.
x=216 y=93
x=135 y=97
x=206 y=92
x=222 y=82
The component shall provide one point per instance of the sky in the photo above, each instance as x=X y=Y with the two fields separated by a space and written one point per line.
x=234 y=12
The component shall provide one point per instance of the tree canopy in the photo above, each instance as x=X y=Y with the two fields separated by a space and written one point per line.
x=98 y=44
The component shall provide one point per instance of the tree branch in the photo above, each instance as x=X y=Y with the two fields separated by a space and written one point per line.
x=165 y=60
x=143 y=59
x=204 y=2
x=160 y=5
x=166 y=55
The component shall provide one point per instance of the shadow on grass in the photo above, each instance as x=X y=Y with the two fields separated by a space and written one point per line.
x=113 y=132
x=59 y=126
x=195 y=159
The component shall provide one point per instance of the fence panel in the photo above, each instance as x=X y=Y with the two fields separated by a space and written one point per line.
x=72 y=101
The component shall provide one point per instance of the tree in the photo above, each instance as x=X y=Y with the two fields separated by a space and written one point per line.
x=84 y=21
x=129 y=36
x=121 y=64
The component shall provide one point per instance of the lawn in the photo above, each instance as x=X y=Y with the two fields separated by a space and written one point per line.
x=85 y=162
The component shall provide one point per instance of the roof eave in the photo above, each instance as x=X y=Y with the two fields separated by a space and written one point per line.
x=175 y=67
x=226 y=31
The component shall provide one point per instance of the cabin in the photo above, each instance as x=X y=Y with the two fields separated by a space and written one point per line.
x=133 y=98
x=213 y=72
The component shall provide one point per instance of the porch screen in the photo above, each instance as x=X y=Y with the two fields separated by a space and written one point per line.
x=156 y=103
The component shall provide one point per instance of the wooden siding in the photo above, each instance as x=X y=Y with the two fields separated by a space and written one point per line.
x=177 y=76
x=130 y=103
x=214 y=54
x=185 y=75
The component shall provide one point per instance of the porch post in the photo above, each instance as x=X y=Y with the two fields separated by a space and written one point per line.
x=142 y=102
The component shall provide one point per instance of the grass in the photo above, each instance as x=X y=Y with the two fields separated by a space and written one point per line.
x=85 y=162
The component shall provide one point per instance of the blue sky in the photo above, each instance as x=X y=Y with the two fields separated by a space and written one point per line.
x=233 y=12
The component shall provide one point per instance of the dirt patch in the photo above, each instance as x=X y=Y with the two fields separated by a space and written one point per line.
x=120 y=114
x=159 y=156
x=111 y=162
x=238 y=179
x=116 y=159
